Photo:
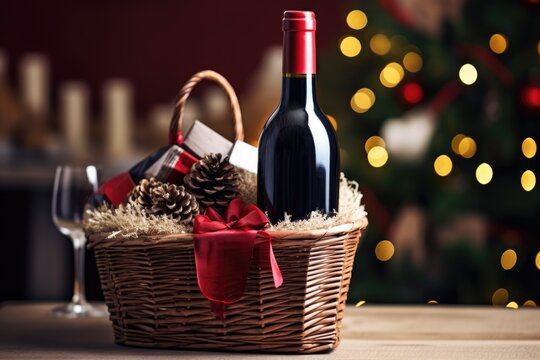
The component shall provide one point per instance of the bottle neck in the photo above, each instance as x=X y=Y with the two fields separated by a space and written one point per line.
x=299 y=68
x=299 y=52
x=298 y=90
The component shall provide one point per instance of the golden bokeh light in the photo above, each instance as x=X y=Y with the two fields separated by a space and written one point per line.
x=528 y=147
x=508 y=259
x=412 y=62
x=398 y=68
x=391 y=75
x=484 y=173
x=529 y=303
x=360 y=303
x=377 y=156
x=373 y=141
x=350 y=46
x=362 y=100
x=384 y=250
x=467 y=147
x=442 y=165
x=512 y=305
x=468 y=74
x=498 y=43
x=357 y=19
x=538 y=47
x=455 y=143
x=433 y=302
x=537 y=260
x=528 y=180
x=500 y=297
x=380 y=44
x=333 y=121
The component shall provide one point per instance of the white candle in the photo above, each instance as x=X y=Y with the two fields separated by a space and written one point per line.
x=74 y=117
x=118 y=105
x=34 y=77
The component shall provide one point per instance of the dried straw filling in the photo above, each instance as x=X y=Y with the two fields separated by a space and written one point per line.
x=131 y=220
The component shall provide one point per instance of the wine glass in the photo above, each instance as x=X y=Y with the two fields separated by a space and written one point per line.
x=73 y=185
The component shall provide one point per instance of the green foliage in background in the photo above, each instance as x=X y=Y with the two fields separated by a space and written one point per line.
x=491 y=112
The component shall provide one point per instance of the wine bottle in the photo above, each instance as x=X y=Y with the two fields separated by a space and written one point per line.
x=298 y=168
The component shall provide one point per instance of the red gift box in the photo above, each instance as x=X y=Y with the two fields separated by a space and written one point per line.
x=172 y=164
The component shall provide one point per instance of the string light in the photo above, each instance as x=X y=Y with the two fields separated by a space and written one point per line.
x=468 y=74
x=530 y=96
x=456 y=140
x=380 y=44
x=512 y=305
x=528 y=147
x=377 y=156
x=384 y=250
x=528 y=180
x=391 y=75
x=500 y=297
x=362 y=100
x=413 y=93
x=350 y=46
x=498 y=43
x=333 y=121
x=484 y=173
x=467 y=147
x=412 y=62
x=360 y=303
x=443 y=165
x=529 y=303
x=373 y=141
x=508 y=259
x=398 y=68
x=537 y=260
x=357 y=19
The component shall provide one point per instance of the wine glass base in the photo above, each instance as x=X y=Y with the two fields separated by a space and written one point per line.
x=73 y=310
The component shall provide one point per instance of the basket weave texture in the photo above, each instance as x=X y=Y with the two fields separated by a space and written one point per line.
x=150 y=283
x=150 y=287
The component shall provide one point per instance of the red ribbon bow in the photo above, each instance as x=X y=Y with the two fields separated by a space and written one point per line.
x=224 y=249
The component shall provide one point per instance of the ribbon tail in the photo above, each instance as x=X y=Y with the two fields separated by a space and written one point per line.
x=218 y=308
x=276 y=272
x=267 y=258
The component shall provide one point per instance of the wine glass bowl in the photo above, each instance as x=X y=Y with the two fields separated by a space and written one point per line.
x=73 y=186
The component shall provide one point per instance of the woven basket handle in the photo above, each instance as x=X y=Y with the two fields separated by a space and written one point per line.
x=175 y=135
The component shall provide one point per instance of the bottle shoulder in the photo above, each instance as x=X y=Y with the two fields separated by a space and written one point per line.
x=298 y=125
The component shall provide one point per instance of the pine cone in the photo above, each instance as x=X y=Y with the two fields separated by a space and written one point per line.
x=213 y=181
x=159 y=198
x=141 y=194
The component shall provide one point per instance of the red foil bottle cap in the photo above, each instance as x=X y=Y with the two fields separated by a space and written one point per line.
x=299 y=20
x=299 y=42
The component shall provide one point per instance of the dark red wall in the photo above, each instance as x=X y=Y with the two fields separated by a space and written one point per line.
x=156 y=44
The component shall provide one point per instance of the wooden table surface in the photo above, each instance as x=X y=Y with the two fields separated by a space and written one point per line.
x=27 y=331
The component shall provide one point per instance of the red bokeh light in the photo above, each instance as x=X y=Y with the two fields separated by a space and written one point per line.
x=413 y=93
x=531 y=96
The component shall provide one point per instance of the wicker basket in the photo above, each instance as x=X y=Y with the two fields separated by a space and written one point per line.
x=151 y=290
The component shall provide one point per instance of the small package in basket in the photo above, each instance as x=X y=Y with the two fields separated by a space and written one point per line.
x=191 y=262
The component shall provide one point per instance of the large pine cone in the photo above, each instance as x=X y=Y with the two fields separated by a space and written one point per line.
x=213 y=181
x=159 y=198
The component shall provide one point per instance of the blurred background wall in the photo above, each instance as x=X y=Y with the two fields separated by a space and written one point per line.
x=60 y=59
x=436 y=104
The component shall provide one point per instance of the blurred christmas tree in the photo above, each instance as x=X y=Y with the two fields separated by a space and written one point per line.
x=437 y=106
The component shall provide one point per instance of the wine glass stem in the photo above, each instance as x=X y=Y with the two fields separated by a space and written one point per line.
x=78 y=279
